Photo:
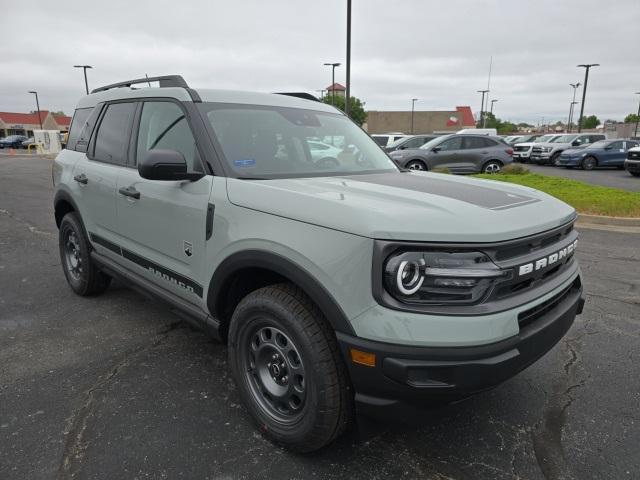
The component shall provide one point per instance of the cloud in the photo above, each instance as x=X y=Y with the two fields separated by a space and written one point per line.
x=436 y=51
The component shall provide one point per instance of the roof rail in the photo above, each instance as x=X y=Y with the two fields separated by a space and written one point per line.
x=165 y=81
x=305 y=96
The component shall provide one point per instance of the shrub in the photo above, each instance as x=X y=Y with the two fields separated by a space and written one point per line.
x=514 y=169
x=441 y=170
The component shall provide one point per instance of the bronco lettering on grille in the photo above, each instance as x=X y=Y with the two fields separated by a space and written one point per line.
x=548 y=260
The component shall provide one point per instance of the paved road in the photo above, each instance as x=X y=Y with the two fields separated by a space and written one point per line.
x=117 y=387
x=607 y=177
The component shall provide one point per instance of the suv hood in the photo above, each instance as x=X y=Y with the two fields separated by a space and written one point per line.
x=411 y=206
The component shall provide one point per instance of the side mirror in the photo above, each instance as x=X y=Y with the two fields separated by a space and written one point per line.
x=608 y=147
x=402 y=147
x=575 y=143
x=165 y=165
x=436 y=149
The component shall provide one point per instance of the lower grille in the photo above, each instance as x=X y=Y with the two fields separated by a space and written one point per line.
x=529 y=316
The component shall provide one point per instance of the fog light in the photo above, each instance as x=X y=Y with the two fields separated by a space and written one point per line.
x=363 y=358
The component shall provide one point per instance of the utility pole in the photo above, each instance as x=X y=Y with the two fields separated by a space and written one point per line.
x=86 y=83
x=481 y=120
x=637 y=116
x=321 y=93
x=413 y=103
x=333 y=81
x=348 y=85
x=587 y=67
x=492 y=102
x=37 y=106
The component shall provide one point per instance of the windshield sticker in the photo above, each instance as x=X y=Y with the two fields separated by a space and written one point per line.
x=244 y=163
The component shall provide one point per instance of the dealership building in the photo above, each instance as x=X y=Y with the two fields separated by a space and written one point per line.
x=25 y=123
x=437 y=121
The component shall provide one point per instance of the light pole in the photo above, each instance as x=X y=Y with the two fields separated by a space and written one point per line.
x=413 y=104
x=321 y=93
x=492 y=102
x=84 y=67
x=637 y=116
x=482 y=106
x=348 y=85
x=37 y=106
x=587 y=67
x=333 y=81
x=573 y=102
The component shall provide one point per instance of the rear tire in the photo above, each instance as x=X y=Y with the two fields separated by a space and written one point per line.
x=417 y=165
x=286 y=363
x=82 y=274
x=589 y=163
x=554 y=159
x=635 y=174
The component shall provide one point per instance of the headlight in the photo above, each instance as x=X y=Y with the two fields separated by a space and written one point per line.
x=437 y=278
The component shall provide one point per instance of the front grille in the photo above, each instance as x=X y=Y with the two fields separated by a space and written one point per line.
x=536 y=149
x=520 y=149
x=634 y=156
x=529 y=316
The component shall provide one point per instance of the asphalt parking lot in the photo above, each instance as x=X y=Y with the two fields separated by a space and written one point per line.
x=607 y=177
x=117 y=386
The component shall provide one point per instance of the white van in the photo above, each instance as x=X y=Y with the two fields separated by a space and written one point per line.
x=479 y=131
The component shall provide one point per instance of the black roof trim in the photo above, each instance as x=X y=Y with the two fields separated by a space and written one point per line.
x=303 y=95
x=165 y=82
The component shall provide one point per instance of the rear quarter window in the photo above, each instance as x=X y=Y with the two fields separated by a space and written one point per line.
x=78 y=124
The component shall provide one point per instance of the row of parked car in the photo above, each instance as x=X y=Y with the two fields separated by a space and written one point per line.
x=579 y=150
x=582 y=150
x=16 y=141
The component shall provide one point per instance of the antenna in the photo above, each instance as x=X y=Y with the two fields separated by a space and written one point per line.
x=147 y=76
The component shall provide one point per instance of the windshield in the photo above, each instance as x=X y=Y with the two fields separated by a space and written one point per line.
x=434 y=142
x=263 y=142
x=398 y=142
x=563 y=139
x=544 y=138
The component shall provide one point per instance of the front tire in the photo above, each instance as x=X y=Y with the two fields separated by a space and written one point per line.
x=288 y=369
x=589 y=163
x=635 y=174
x=82 y=274
x=492 y=167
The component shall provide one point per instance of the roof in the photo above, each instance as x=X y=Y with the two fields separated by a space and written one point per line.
x=337 y=87
x=467 y=116
x=23 y=118
x=62 y=120
x=217 y=96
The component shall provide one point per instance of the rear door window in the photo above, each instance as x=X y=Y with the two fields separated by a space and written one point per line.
x=474 y=143
x=112 y=137
x=78 y=124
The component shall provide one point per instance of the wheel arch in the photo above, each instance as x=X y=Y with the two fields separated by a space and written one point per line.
x=63 y=203
x=248 y=270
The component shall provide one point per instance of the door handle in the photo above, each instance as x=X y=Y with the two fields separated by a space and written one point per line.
x=130 y=192
x=82 y=178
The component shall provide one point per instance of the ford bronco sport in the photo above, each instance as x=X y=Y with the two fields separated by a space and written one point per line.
x=337 y=284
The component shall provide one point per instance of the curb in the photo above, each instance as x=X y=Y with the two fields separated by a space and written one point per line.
x=611 y=221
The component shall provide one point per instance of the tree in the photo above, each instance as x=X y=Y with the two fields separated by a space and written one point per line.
x=631 y=118
x=492 y=122
x=356 y=107
x=59 y=113
x=590 y=122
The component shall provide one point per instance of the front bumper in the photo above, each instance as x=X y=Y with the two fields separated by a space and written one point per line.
x=409 y=376
x=541 y=157
x=568 y=161
x=632 y=165
x=521 y=155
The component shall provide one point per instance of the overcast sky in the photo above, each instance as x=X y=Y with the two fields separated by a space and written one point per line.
x=437 y=51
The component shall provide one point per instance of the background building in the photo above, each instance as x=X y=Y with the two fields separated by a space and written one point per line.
x=25 y=123
x=423 y=121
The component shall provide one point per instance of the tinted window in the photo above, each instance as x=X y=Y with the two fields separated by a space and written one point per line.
x=474 y=142
x=616 y=146
x=454 y=143
x=164 y=126
x=78 y=123
x=382 y=141
x=414 y=142
x=112 y=136
x=632 y=145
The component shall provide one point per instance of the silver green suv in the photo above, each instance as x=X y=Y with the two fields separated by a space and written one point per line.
x=340 y=285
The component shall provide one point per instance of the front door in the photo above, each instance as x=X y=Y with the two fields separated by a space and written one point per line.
x=447 y=153
x=163 y=230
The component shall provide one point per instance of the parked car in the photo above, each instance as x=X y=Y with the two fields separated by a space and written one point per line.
x=27 y=142
x=604 y=153
x=386 y=139
x=632 y=163
x=478 y=131
x=458 y=153
x=12 y=141
x=513 y=139
x=409 y=142
x=324 y=154
x=548 y=153
x=363 y=287
x=522 y=150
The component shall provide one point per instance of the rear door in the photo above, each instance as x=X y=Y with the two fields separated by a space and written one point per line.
x=163 y=231
x=475 y=150
x=96 y=175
